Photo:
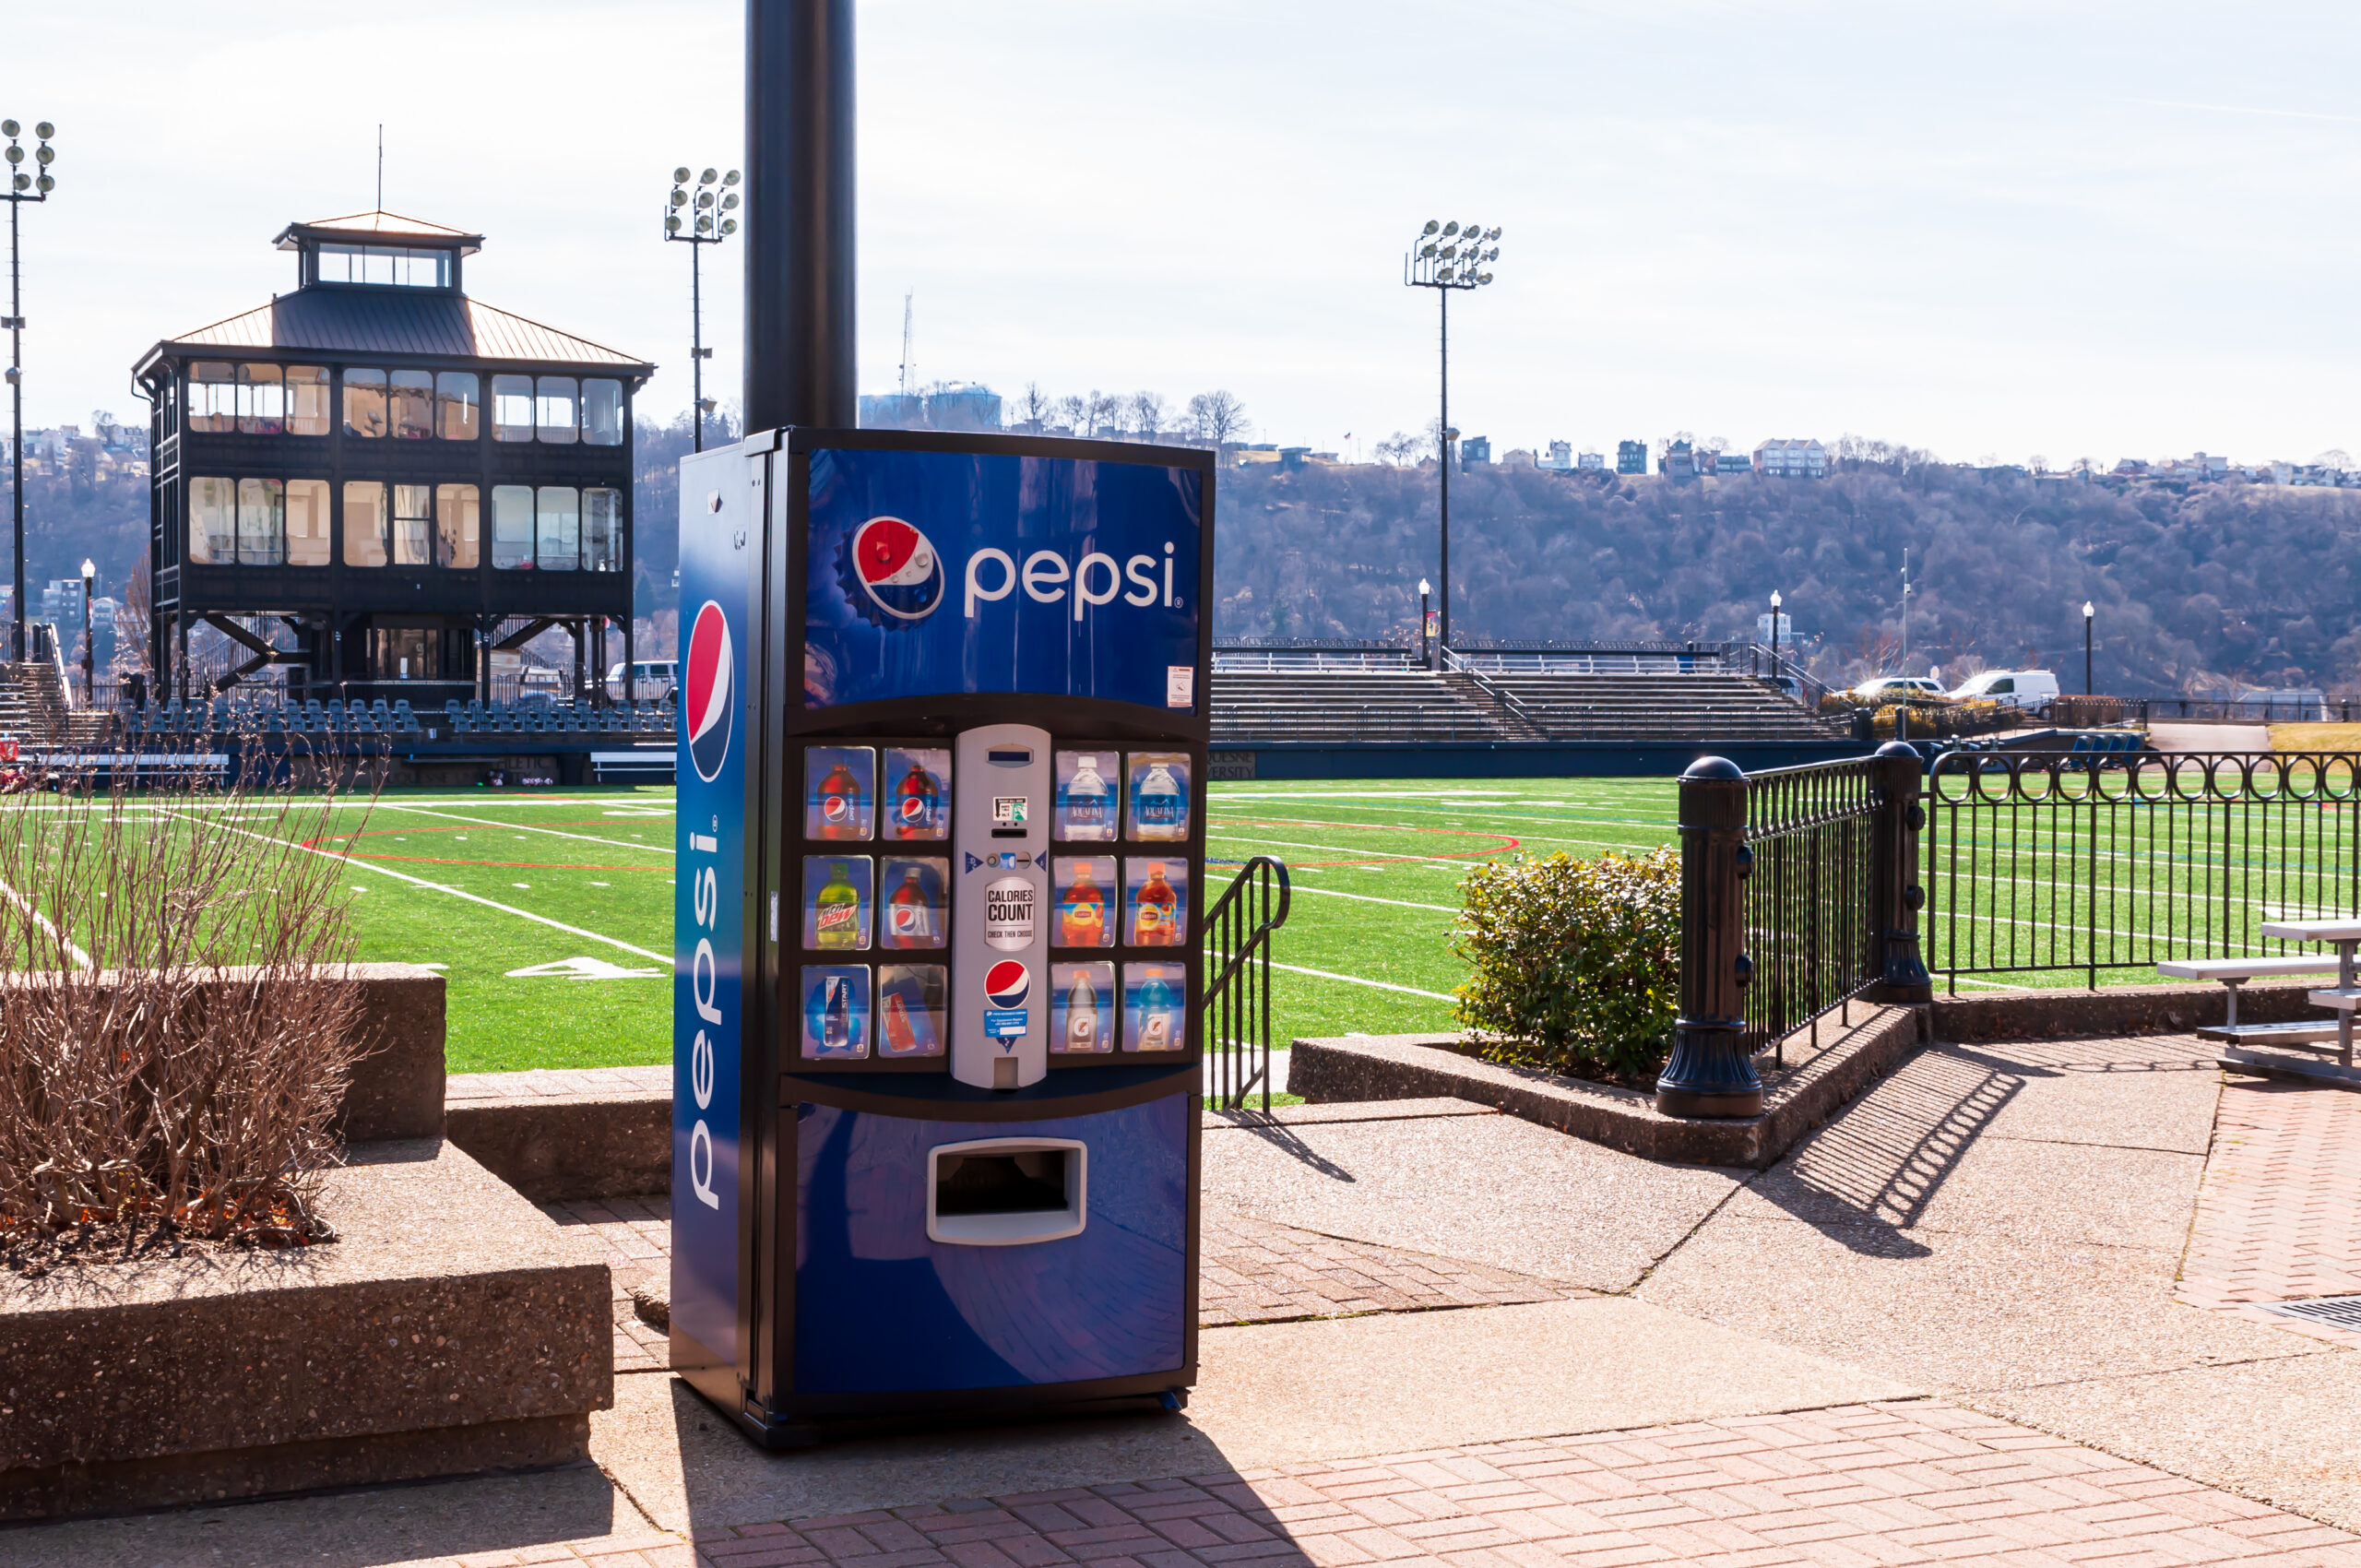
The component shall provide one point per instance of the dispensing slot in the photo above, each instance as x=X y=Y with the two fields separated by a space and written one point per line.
x=1005 y=1192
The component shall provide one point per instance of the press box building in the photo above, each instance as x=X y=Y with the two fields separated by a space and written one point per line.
x=403 y=477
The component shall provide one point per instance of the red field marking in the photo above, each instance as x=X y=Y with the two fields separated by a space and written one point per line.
x=406 y=830
x=1502 y=843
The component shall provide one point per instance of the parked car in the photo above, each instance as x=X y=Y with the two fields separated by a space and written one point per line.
x=1888 y=687
x=2012 y=688
x=652 y=680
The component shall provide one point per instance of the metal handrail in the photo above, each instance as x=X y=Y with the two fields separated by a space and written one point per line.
x=1237 y=1009
x=1502 y=696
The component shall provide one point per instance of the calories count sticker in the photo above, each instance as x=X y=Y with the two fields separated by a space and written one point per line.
x=1008 y=908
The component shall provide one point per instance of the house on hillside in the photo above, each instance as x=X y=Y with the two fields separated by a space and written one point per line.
x=1631 y=457
x=1679 y=461
x=394 y=481
x=1799 y=458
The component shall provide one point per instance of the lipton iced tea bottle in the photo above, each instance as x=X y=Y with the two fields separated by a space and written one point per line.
x=835 y=920
x=1153 y=924
x=839 y=804
x=1158 y=1029
x=909 y=915
x=1088 y=812
x=1082 y=918
x=918 y=806
x=1158 y=809
x=1081 y=1014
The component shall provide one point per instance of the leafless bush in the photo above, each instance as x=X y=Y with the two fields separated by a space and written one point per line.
x=176 y=1024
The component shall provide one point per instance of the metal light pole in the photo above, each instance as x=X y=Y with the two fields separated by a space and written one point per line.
x=1426 y=592
x=1774 y=635
x=1444 y=257
x=89 y=649
x=2087 y=613
x=709 y=224
x=22 y=188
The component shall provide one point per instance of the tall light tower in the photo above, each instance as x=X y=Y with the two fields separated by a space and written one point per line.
x=22 y=188
x=1444 y=257
x=697 y=222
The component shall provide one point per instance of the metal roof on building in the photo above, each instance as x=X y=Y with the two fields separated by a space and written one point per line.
x=382 y=227
x=369 y=321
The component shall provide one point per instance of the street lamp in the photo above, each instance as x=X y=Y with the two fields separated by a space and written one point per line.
x=90 y=678
x=1426 y=591
x=698 y=221
x=1446 y=257
x=2087 y=613
x=22 y=188
x=1774 y=635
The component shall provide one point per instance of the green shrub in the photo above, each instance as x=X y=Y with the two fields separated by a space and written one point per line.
x=1574 y=964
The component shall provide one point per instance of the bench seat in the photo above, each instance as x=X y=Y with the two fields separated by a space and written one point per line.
x=2230 y=969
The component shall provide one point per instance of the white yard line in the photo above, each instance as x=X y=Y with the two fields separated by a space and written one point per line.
x=1367 y=898
x=46 y=924
x=1356 y=980
x=374 y=870
x=1359 y=855
x=665 y=850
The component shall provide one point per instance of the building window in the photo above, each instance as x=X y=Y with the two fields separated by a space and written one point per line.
x=512 y=524
x=413 y=404
x=213 y=519
x=557 y=532
x=385 y=265
x=602 y=531
x=364 y=523
x=307 y=399
x=456 y=526
x=458 y=397
x=603 y=412
x=261 y=523
x=413 y=524
x=512 y=408
x=212 y=397
x=307 y=522
x=559 y=405
x=364 y=402
x=262 y=400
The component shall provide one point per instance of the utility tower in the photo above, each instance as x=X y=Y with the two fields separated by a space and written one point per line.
x=909 y=364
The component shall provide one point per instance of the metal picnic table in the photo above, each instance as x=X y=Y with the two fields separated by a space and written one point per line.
x=2345 y=934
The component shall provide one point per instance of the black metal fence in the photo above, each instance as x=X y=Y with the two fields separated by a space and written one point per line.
x=1237 y=1017
x=2101 y=864
x=1807 y=866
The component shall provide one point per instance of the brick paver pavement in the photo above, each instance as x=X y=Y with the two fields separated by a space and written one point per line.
x=2279 y=1215
x=1249 y=1271
x=544 y=1083
x=1861 y=1486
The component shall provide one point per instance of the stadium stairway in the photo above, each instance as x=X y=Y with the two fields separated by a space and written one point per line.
x=34 y=711
x=1695 y=706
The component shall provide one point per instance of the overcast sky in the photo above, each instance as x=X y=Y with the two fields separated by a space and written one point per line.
x=2067 y=230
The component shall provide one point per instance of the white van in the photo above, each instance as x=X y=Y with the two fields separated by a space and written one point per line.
x=652 y=680
x=2012 y=688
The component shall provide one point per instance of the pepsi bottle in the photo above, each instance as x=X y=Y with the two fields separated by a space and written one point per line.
x=839 y=804
x=918 y=806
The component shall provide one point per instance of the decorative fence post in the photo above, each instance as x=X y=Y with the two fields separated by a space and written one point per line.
x=1894 y=893
x=1709 y=1073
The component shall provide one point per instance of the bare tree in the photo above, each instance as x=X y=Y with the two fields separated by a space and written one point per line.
x=1146 y=412
x=1075 y=413
x=1398 y=448
x=1218 y=419
x=1100 y=410
x=1034 y=407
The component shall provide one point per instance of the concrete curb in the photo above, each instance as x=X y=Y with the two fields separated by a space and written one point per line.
x=2119 y=1010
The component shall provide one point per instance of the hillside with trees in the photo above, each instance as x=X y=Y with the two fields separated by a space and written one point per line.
x=2197 y=587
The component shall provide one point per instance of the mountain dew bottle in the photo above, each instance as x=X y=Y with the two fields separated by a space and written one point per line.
x=835 y=920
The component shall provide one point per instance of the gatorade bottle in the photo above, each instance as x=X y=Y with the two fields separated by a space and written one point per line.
x=901 y=1039
x=1153 y=920
x=835 y=920
x=839 y=802
x=836 y=1017
x=1082 y=918
x=918 y=806
x=1081 y=1014
x=1158 y=1031
x=1158 y=809
x=909 y=915
x=1087 y=812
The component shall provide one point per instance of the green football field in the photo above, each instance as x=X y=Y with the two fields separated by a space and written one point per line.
x=550 y=913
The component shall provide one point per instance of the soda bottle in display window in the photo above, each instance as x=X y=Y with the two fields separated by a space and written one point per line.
x=839 y=804
x=1089 y=803
x=1081 y=1014
x=835 y=1015
x=918 y=806
x=901 y=1039
x=909 y=915
x=1158 y=809
x=1159 y=1030
x=836 y=912
x=1082 y=918
x=1152 y=925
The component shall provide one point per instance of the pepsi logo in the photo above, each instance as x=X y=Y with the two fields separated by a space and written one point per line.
x=707 y=692
x=1007 y=983
x=835 y=808
x=913 y=809
x=898 y=571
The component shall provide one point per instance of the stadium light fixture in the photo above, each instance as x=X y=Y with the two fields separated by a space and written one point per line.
x=1444 y=256
x=22 y=188
x=2088 y=611
x=90 y=676
x=706 y=227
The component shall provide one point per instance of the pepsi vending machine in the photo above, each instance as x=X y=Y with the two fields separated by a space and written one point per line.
x=942 y=852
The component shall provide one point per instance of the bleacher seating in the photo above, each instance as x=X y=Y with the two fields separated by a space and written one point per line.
x=1695 y=706
x=1346 y=705
x=157 y=723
